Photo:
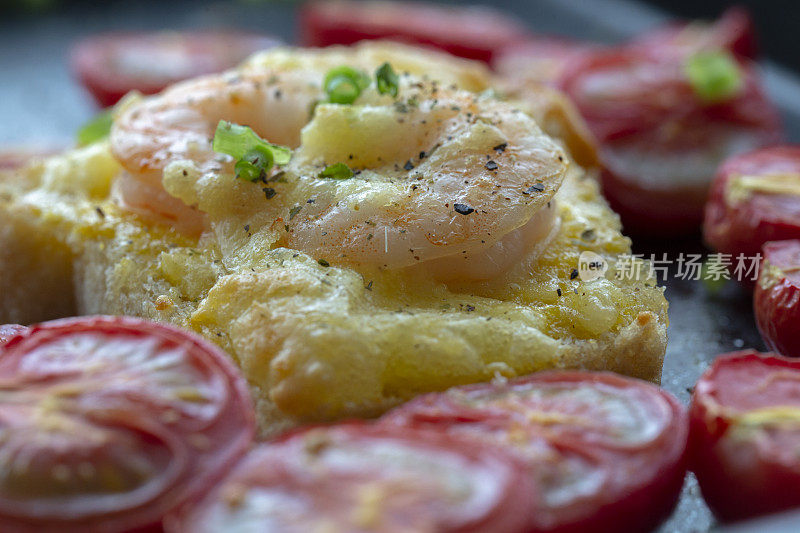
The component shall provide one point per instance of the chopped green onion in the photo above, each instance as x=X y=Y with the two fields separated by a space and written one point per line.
x=255 y=156
x=339 y=171
x=714 y=76
x=96 y=129
x=344 y=84
x=386 y=79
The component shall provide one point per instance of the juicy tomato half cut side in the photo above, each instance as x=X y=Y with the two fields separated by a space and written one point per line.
x=661 y=141
x=471 y=32
x=110 y=65
x=755 y=198
x=776 y=297
x=110 y=422
x=9 y=330
x=356 y=477
x=745 y=433
x=606 y=453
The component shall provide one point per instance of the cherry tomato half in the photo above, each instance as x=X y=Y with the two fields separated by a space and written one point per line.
x=755 y=198
x=660 y=141
x=606 y=453
x=9 y=330
x=745 y=433
x=356 y=477
x=777 y=296
x=471 y=32
x=110 y=422
x=110 y=65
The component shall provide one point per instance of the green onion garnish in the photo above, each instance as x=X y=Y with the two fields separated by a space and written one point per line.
x=339 y=171
x=96 y=129
x=714 y=76
x=254 y=156
x=344 y=84
x=386 y=79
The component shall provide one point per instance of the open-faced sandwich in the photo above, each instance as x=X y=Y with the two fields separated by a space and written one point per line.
x=353 y=225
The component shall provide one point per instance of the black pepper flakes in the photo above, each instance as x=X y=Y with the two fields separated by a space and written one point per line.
x=463 y=209
x=536 y=187
x=269 y=192
x=100 y=212
x=573 y=274
x=469 y=308
x=558 y=291
x=323 y=263
x=408 y=165
x=500 y=148
x=491 y=165
x=369 y=285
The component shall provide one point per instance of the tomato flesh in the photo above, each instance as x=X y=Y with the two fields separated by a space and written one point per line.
x=606 y=452
x=110 y=422
x=745 y=432
x=111 y=65
x=356 y=477
x=471 y=32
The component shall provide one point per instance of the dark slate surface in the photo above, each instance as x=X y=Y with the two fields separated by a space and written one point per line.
x=40 y=103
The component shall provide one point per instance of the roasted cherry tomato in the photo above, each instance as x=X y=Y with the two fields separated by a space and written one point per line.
x=745 y=433
x=664 y=125
x=606 y=453
x=471 y=32
x=109 y=422
x=110 y=65
x=365 y=478
x=776 y=300
x=755 y=198
x=9 y=330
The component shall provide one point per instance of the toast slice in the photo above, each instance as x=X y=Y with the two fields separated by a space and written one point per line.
x=320 y=342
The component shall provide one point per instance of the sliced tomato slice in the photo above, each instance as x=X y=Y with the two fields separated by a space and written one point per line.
x=755 y=198
x=9 y=330
x=110 y=65
x=357 y=477
x=745 y=417
x=471 y=32
x=606 y=452
x=659 y=142
x=110 y=422
x=776 y=297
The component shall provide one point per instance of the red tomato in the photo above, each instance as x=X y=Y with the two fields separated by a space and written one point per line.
x=110 y=65
x=755 y=198
x=471 y=32
x=745 y=434
x=777 y=295
x=9 y=330
x=605 y=452
x=659 y=142
x=366 y=478
x=110 y=422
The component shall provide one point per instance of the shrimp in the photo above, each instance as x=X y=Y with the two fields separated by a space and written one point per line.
x=439 y=173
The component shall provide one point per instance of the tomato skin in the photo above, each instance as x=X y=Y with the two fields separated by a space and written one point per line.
x=9 y=330
x=470 y=32
x=639 y=487
x=109 y=377
x=112 y=64
x=746 y=470
x=776 y=300
x=743 y=227
x=296 y=469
